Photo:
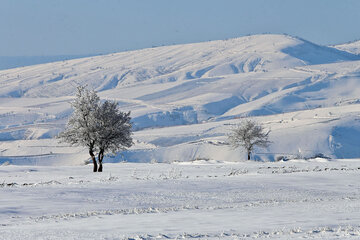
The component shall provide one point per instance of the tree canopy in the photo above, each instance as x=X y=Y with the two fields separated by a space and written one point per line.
x=99 y=126
x=249 y=134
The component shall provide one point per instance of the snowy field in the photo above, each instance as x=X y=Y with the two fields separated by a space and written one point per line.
x=181 y=180
x=313 y=199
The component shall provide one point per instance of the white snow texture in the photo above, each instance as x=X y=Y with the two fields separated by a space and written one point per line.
x=181 y=179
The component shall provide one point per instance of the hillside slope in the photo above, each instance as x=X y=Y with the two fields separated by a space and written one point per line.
x=195 y=93
x=259 y=53
x=352 y=47
x=7 y=62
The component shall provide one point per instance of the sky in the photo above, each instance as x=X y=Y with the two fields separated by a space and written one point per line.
x=75 y=27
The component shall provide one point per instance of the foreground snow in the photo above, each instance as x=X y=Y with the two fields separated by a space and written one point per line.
x=315 y=199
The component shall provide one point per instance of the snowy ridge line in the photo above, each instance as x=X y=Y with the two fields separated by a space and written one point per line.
x=297 y=232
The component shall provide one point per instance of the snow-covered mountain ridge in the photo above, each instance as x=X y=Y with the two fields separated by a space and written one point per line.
x=259 y=53
x=351 y=47
x=194 y=92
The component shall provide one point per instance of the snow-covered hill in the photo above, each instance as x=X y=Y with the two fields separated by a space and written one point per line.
x=7 y=62
x=185 y=98
x=352 y=47
x=259 y=53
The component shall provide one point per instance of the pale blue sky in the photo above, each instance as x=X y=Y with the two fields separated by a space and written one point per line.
x=57 y=27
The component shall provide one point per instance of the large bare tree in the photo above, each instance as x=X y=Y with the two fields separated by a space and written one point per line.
x=248 y=135
x=98 y=126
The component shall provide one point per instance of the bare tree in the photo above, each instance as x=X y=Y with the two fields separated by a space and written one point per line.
x=98 y=126
x=249 y=134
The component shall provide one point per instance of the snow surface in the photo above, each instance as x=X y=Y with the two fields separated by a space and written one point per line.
x=317 y=199
x=181 y=179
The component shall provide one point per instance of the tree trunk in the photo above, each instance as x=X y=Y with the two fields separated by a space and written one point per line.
x=100 y=158
x=94 y=160
x=249 y=155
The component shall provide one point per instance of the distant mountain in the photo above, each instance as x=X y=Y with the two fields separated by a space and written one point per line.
x=7 y=62
x=352 y=47
x=258 y=53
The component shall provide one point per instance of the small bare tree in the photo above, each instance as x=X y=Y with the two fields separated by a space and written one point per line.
x=249 y=134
